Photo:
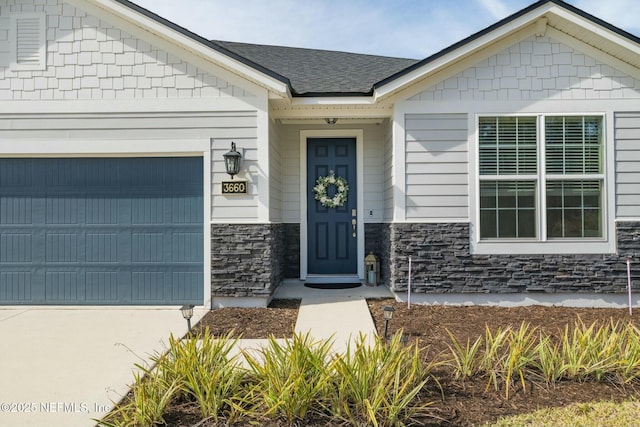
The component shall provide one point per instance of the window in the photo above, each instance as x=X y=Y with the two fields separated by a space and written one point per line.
x=28 y=41
x=541 y=170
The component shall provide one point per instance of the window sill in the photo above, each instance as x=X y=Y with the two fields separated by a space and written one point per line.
x=533 y=247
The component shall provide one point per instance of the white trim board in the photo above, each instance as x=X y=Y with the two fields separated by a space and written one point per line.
x=594 y=300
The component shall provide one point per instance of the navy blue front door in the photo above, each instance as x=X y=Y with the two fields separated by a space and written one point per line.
x=332 y=239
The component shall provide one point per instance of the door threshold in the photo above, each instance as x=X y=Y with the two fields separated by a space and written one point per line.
x=332 y=278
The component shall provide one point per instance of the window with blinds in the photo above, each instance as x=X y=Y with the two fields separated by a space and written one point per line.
x=573 y=145
x=28 y=41
x=508 y=146
x=519 y=190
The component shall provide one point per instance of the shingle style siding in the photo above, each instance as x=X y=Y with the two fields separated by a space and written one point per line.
x=87 y=58
x=535 y=69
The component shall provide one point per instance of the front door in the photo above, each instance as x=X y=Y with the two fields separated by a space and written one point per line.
x=332 y=230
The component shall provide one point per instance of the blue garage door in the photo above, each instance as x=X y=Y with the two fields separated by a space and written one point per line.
x=101 y=231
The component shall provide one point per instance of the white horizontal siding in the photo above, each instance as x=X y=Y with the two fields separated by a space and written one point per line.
x=374 y=173
x=437 y=167
x=627 y=134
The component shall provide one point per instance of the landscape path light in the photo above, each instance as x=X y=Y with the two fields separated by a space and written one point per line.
x=387 y=313
x=187 y=313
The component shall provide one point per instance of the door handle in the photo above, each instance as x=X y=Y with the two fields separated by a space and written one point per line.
x=353 y=224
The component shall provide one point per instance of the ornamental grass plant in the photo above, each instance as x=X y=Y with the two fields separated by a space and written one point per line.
x=506 y=357
x=376 y=382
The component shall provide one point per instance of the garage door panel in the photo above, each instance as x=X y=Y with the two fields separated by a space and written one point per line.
x=101 y=210
x=101 y=286
x=186 y=210
x=62 y=248
x=62 y=286
x=15 y=209
x=16 y=286
x=16 y=247
x=186 y=247
x=147 y=247
x=63 y=210
x=181 y=289
x=101 y=248
x=16 y=174
x=78 y=231
x=148 y=286
x=148 y=210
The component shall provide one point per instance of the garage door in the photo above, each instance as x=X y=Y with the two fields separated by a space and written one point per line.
x=101 y=231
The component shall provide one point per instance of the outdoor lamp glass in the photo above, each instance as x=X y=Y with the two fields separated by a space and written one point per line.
x=232 y=160
x=387 y=312
x=187 y=313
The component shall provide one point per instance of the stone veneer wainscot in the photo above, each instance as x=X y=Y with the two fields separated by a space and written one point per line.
x=441 y=263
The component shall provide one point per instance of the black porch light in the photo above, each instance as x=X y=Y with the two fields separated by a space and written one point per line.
x=387 y=313
x=187 y=313
x=232 y=160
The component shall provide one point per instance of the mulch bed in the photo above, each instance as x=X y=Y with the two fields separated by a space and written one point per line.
x=467 y=404
x=278 y=319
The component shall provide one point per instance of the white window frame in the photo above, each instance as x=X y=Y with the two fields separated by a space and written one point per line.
x=542 y=244
x=41 y=62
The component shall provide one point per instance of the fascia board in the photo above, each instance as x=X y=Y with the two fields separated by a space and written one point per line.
x=597 y=29
x=175 y=37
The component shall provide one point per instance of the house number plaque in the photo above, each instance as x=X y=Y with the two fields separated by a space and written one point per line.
x=234 y=187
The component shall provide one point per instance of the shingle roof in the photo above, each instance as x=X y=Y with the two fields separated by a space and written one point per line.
x=315 y=72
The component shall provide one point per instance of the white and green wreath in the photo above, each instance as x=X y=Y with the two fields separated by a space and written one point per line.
x=322 y=185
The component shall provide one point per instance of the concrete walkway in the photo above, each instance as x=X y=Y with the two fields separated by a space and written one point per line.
x=341 y=315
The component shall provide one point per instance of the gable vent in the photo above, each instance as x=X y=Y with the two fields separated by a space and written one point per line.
x=28 y=33
x=28 y=41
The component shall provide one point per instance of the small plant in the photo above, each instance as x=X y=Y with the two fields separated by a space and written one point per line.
x=493 y=354
x=466 y=361
x=519 y=356
x=548 y=363
x=290 y=377
x=150 y=395
x=377 y=384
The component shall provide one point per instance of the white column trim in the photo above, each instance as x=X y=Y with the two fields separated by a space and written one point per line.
x=399 y=177
x=263 y=173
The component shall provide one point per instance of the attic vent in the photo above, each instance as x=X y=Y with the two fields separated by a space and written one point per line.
x=28 y=41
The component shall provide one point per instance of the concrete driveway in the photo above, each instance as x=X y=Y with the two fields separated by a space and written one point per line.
x=65 y=367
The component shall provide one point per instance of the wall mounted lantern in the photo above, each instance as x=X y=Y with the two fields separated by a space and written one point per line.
x=232 y=160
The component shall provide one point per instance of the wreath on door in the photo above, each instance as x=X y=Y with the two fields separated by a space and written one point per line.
x=322 y=186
